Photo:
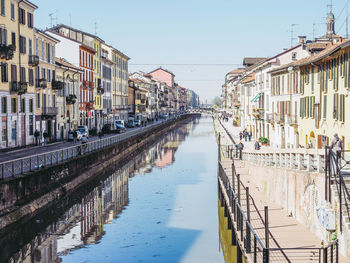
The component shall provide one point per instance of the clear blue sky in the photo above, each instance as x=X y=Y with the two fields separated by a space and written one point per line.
x=193 y=31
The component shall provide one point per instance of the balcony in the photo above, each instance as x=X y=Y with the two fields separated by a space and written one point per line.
x=71 y=99
x=270 y=118
x=41 y=84
x=90 y=105
x=279 y=119
x=85 y=83
x=6 y=52
x=33 y=60
x=100 y=90
x=57 y=85
x=91 y=85
x=292 y=120
x=49 y=111
x=143 y=101
x=19 y=87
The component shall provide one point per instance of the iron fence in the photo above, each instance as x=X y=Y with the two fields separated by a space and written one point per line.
x=253 y=232
x=21 y=166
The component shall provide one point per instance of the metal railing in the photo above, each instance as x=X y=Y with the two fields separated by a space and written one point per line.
x=252 y=229
x=22 y=166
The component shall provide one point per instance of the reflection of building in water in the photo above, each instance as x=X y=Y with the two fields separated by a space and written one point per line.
x=83 y=222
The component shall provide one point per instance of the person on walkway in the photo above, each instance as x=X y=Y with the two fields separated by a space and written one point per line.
x=45 y=135
x=239 y=148
x=84 y=141
x=309 y=145
x=245 y=134
x=36 y=135
x=257 y=145
x=75 y=136
x=337 y=145
x=240 y=135
x=100 y=135
x=250 y=136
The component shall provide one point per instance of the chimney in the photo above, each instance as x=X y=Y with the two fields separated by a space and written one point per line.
x=302 y=39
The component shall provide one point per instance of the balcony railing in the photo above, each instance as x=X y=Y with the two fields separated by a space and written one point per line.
x=49 y=111
x=292 y=120
x=279 y=118
x=71 y=99
x=57 y=84
x=270 y=118
x=6 y=51
x=41 y=84
x=33 y=60
x=85 y=83
x=19 y=86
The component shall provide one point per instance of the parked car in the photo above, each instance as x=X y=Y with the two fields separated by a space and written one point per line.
x=130 y=124
x=84 y=130
x=137 y=123
x=71 y=138
x=120 y=128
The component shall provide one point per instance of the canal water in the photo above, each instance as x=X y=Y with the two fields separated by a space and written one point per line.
x=162 y=206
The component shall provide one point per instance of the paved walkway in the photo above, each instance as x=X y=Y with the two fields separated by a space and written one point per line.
x=32 y=150
x=285 y=231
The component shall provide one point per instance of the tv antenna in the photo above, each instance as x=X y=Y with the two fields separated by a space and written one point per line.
x=292 y=38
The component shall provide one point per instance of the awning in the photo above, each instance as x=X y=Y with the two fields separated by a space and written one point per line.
x=255 y=99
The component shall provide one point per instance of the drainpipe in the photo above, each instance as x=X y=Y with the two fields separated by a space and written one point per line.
x=64 y=96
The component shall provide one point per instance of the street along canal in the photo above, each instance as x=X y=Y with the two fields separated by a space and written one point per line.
x=162 y=206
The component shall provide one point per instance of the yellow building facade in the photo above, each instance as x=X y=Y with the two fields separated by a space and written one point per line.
x=324 y=88
x=45 y=92
x=17 y=101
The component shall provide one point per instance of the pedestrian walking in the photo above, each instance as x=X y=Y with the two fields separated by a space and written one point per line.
x=257 y=145
x=45 y=135
x=240 y=135
x=250 y=136
x=36 y=135
x=239 y=149
x=84 y=141
x=100 y=135
x=337 y=146
x=245 y=135
x=75 y=136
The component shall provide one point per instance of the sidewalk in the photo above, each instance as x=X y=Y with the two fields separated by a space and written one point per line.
x=32 y=150
x=234 y=131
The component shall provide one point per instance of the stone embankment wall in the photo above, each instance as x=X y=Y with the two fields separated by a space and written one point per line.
x=300 y=193
x=27 y=195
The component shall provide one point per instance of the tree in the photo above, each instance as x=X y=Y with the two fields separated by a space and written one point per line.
x=217 y=102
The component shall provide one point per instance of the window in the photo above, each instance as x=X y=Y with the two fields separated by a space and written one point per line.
x=342 y=108
x=13 y=105
x=22 y=16
x=43 y=75
x=22 y=75
x=31 y=106
x=53 y=100
x=48 y=52
x=13 y=40
x=53 y=54
x=23 y=105
x=3 y=105
x=36 y=46
x=30 y=20
x=38 y=100
x=335 y=106
x=30 y=41
x=31 y=125
x=3 y=7
x=3 y=36
x=4 y=72
x=22 y=44
x=31 y=77
x=12 y=11
x=48 y=75
x=42 y=50
x=4 y=131
x=13 y=73
x=324 y=106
